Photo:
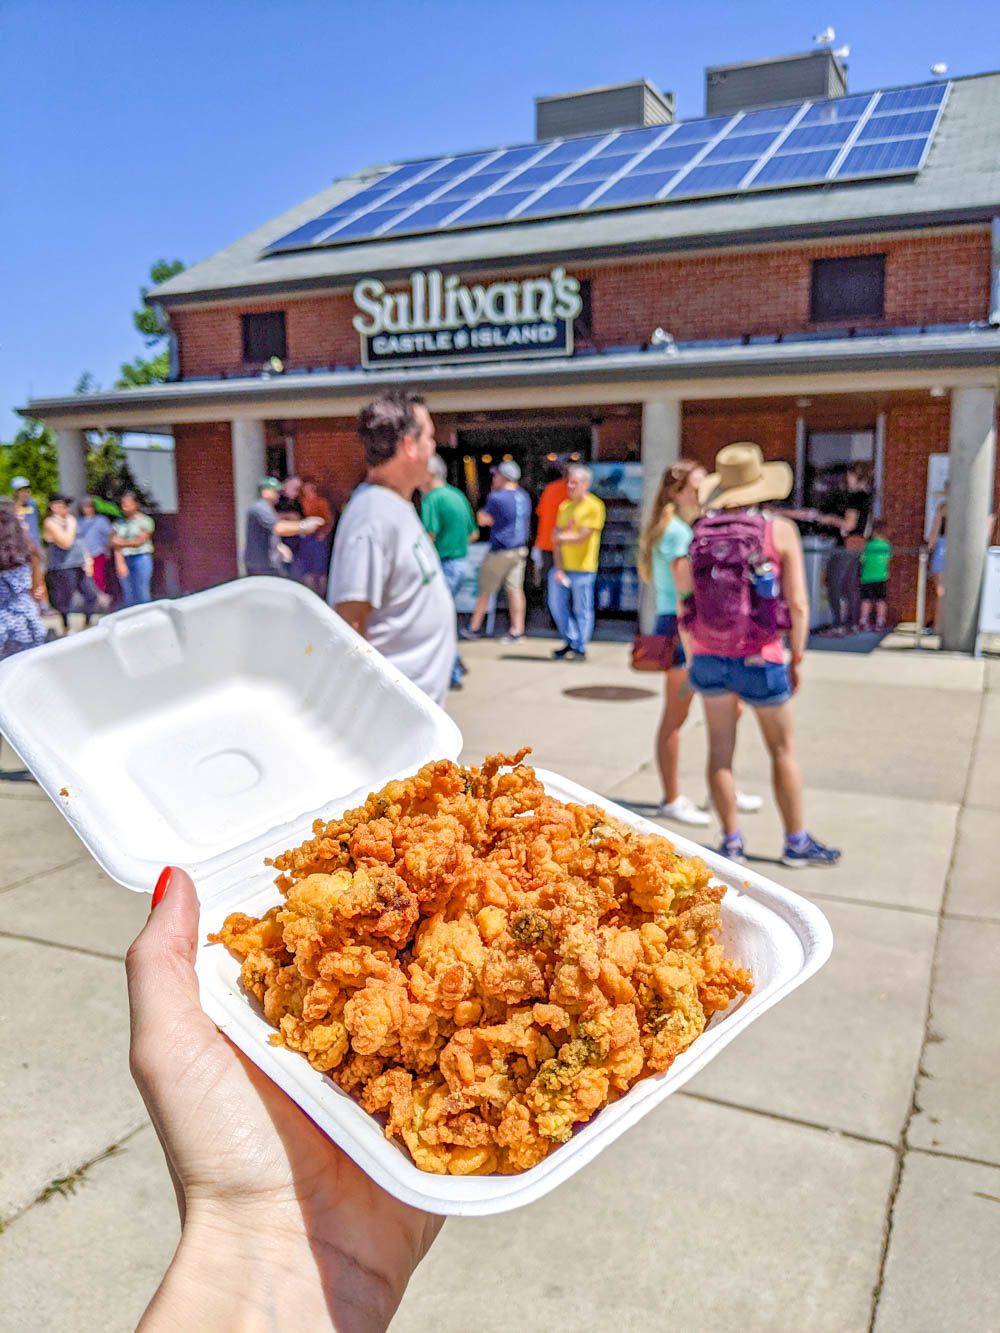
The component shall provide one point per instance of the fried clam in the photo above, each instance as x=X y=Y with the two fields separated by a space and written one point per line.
x=482 y=966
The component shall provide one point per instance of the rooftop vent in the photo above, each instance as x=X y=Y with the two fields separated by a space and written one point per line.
x=617 y=106
x=757 y=83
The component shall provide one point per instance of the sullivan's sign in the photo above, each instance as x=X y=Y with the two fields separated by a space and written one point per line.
x=438 y=319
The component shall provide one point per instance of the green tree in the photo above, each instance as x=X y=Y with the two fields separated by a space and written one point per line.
x=109 y=475
x=150 y=324
x=32 y=454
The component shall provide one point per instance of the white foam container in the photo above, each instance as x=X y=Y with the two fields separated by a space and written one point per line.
x=211 y=731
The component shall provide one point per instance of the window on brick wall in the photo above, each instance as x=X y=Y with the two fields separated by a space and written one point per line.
x=583 y=325
x=851 y=288
x=264 y=336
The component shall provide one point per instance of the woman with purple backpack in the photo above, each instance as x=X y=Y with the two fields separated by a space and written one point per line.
x=664 y=543
x=742 y=586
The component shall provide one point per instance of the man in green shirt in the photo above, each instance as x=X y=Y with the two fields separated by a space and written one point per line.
x=450 y=523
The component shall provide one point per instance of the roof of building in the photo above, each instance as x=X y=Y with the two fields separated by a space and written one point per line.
x=960 y=181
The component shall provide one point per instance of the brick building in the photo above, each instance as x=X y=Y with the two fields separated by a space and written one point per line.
x=810 y=269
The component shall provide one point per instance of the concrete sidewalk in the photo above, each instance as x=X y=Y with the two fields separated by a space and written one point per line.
x=837 y=1168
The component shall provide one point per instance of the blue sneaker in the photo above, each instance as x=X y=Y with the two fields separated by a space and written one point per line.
x=731 y=847
x=808 y=852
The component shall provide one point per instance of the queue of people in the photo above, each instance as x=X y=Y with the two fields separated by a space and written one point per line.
x=71 y=554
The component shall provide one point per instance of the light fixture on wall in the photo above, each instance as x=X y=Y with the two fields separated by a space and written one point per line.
x=938 y=391
x=803 y=402
x=665 y=341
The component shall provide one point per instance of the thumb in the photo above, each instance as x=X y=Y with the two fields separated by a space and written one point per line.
x=162 y=986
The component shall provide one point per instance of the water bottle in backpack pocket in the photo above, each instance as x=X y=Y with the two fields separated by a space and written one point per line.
x=736 y=607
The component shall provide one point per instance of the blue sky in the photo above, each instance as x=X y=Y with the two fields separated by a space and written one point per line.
x=135 y=131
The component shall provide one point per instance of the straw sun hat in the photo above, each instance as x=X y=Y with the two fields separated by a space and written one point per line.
x=741 y=477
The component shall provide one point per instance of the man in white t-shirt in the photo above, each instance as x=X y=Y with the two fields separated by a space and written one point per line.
x=385 y=577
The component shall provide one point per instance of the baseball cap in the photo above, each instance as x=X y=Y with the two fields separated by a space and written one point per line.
x=19 y=483
x=508 y=469
x=268 y=484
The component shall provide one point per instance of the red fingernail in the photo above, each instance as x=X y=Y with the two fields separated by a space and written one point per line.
x=161 y=886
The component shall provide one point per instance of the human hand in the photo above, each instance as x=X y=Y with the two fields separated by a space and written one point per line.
x=310 y=524
x=793 y=675
x=562 y=578
x=279 y=1227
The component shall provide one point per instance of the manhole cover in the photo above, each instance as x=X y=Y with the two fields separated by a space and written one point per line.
x=609 y=693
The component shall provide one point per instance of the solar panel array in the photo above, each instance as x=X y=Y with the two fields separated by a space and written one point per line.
x=845 y=138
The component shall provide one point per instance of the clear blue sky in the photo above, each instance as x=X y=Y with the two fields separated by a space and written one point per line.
x=134 y=131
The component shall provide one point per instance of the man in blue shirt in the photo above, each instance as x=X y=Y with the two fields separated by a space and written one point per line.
x=27 y=510
x=507 y=514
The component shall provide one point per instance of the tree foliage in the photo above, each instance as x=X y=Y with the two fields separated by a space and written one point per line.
x=147 y=318
x=109 y=475
x=32 y=454
x=149 y=322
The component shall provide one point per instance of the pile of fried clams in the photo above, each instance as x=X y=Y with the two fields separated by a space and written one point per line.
x=487 y=965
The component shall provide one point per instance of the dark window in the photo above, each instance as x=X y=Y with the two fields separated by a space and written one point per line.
x=847 y=288
x=264 y=336
x=583 y=325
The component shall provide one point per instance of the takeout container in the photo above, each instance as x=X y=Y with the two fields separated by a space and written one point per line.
x=211 y=731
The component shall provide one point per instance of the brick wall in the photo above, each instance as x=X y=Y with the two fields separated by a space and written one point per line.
x=705 y=430
x=329 y=451
x=928 y=280
x=938 y=279
x=206 y=532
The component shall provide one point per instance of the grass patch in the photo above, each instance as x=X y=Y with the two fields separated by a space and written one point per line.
x=67 y=1185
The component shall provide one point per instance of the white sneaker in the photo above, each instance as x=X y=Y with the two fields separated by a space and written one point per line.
x=683 y=811
x=746 y=803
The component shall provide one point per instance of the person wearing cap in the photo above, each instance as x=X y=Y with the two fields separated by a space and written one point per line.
x=69 y=564
x=264 y=552
x=733 y=641
x=507 y=514
x=27 y=510
x=576 y=551
x=386 y=579
x=450 y=523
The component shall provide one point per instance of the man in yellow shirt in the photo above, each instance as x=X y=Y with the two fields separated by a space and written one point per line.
x=576 y=547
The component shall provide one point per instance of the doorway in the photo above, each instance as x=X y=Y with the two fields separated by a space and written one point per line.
x=829 y=453
x=539 y=451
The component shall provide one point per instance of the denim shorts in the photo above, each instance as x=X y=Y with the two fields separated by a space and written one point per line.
x=667 y=625
x=761 y=684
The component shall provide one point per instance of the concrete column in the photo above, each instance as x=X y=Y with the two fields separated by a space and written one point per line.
x=249 y=458
x=71 y=447
x=971 y=449
x=661 y=446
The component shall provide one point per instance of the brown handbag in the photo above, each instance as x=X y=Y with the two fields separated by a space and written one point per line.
x=653 y=652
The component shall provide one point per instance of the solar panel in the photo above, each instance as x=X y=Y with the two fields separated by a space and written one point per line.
x=719 y=177
x=870 y=135
x=896 y=127
x=875 y=159
x=795 y=168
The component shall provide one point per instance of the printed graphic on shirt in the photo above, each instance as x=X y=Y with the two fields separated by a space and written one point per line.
x=424 y=556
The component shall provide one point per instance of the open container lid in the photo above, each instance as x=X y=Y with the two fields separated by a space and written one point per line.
x=209 y=730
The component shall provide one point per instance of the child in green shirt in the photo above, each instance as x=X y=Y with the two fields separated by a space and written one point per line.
x=875 y=577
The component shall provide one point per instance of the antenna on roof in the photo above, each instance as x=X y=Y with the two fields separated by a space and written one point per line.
x=939 y=68
x=825 y=38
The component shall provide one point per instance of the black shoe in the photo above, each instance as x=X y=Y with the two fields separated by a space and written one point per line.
x=564 y=651
x=465 y=632
x=455 y=685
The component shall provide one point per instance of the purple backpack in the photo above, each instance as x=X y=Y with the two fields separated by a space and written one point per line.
x=736 y=608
